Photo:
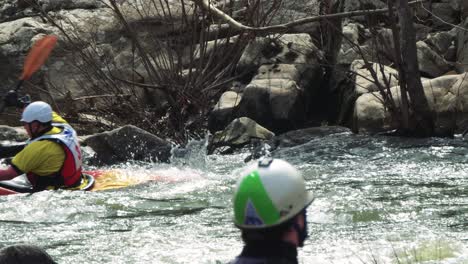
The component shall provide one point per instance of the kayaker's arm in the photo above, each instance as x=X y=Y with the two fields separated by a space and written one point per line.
x=8 y=173
x=10 y=151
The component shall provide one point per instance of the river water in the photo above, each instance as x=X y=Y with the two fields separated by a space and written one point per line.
x=378 y=200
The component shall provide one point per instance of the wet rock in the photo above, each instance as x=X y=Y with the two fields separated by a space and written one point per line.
x=302 y=136
x=13 y=133
x=239 y=133
x=128 y=143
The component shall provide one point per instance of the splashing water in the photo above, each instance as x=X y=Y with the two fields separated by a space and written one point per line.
x=379 y=200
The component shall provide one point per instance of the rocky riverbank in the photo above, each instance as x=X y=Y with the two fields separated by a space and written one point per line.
x=276 y=84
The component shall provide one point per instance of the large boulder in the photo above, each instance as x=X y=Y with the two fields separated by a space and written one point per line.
x=8 y=10
x=16 y=38
x=445 y=15
x=346 y=57
x=377 y=46
x=365 y=82
x=464 y=9
x=352 y=37
x=127 y=143
x=284 y=49
x=287 y=78
x=157 y=14
x=273 y=103
x=224 y=110
x=462 y=47
x=431 y=64
x=13 y=133
x=62 y=73
x=54 y=5
x=447 y=97
x=354 y=5
x=440 y=42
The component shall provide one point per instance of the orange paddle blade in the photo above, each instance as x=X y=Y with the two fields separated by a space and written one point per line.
x=38 y=55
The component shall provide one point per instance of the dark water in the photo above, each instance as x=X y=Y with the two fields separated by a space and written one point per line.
x=379 y=200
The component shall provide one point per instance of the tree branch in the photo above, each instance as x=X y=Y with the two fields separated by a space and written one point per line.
x=283 y=28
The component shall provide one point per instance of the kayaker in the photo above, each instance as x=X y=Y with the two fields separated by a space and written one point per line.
x=52 y=157
x=270 y=202
x=23 y=253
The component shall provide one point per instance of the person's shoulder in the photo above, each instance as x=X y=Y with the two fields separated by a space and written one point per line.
x=42 y=145
x=259 y=260
x=25 y=254
x=248 y=260
x=56 y=118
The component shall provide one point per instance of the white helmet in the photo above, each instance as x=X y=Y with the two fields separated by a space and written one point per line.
x=269 y=193
x=37 y=111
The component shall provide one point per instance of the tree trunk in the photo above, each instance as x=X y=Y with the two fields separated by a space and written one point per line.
x=332 y=31
x=464 y=10
x=422 y=114
x=404 y=107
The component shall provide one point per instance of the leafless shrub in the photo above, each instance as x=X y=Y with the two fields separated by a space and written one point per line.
x=173 y=76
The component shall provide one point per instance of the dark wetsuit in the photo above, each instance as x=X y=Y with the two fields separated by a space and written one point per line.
x=267 y=253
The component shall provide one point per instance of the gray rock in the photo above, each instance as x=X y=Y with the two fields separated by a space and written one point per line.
x=462 y=47
x=128 y=143
x=56 y=5
x=364 y=81
x=351 y=33
x=154 y=16
x=444 y=16
x=284 y=49
x=464 y=9
x=271 y=102
x=239 y=132
x=223 y=111
x=287 y=79
x=347 y=57
x=13 y=133
x=446 y=95
x=440 y=41
x=430 y=62
x=354 y=5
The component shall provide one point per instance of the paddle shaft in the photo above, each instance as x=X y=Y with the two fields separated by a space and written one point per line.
x=36 y=57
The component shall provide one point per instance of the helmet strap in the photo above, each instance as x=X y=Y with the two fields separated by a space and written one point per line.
x=301 y=232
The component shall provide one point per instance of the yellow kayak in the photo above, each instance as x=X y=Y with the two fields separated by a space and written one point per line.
x=94 y=180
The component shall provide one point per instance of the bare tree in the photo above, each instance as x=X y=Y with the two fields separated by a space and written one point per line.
x=422 y=114
x=415 y=116
x=188 y=66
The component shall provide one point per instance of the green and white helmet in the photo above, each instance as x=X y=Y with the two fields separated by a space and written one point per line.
x=269 y=193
